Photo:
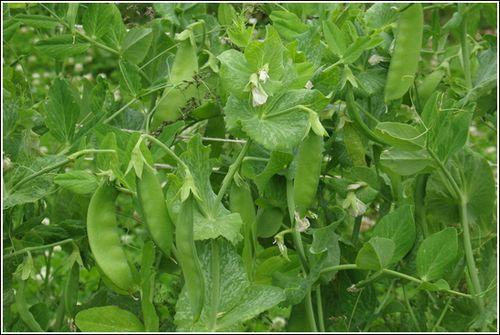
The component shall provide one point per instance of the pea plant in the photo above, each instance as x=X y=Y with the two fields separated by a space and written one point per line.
x=324 y=167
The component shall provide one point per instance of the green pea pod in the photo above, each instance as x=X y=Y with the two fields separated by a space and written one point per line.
x=23 y=309
x=429 y=85
x=307 y=172
x=151 y=320
x=154 y=210
x=241 y=201
x=406 y=54
x=188 y=257
x=104 y=239
x=71 y=289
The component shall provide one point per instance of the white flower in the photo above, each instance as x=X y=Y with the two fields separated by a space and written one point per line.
x=263 y=75
x=375 y=59
x=252 y=20
x=259 y=96
x=309 y=85
x=302 y=224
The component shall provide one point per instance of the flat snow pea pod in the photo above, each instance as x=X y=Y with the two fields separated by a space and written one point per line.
x=429 y=85
x=188 y=257
x=154 y=209
x=307 y=172
x=241 y=202
x=404 y=61
x=104 y=239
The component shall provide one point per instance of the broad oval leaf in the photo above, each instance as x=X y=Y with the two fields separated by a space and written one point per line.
x=375 y=254
x=399 y=226
x=108 y=319
x=436 y=254
x=401 y=135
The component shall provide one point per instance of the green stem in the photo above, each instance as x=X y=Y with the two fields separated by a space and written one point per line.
x=419 y=196
x=226 y=182
x=319 y=306
x=352 y=111
x=389 y=272
x=49 y=168
x=310 y=312
x=340 y=267
x=410 y=310
x=441 y=316
x=215 y=274
x=465 y=49
x=40 y=247
x=115 y=114
x=152 y=104
x=469 y=255
x=167 y=149
x=355 y=231
x=297 y=239
x=64 y=23
x=444 y=170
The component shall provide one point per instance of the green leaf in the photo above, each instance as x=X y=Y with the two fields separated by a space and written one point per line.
x=381 y=14
x=406 y=163
x=440 y=285
x=335 y=38
x=278 y=124
x=77 y=181
x=62 y=46
x=235 y=72
x=287 y=24
x=399 y=226
x=236 y=299
x=225 y=14
x=136 y=43
x=448 y=128
x=278 y=161
x=376 y=254
x=104 y=21
x=401 y=135
x=108 y=319
x=359 y=46
x=63 y=110
x=224 y=223
x=475 y=179
x=269 y=52
x=130 y=79
x=436 y=254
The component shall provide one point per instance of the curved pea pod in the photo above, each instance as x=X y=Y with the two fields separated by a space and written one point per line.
x=154 y=209
x=269 y=221
x=307 y=172
x=188 y=258
x=429 y=85
x=104 y=239
x=404 y=61
x=241 y=202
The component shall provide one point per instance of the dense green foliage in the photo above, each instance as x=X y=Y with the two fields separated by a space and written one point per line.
x=249 y=167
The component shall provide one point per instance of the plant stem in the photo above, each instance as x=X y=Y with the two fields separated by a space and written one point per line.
x=297 y=240
x=358 y=121
x=310 y=312
x=49 y=168
x=40 y=247
x=319 y=304
x=465 y=49
x=167 y=149
x=355 y=231
x=419 y=196
x=115 y=114
x=226 y=182
x=441 y=316
x=389 y=272
x=469 y=255
x=410 y=310
x=215 y=274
